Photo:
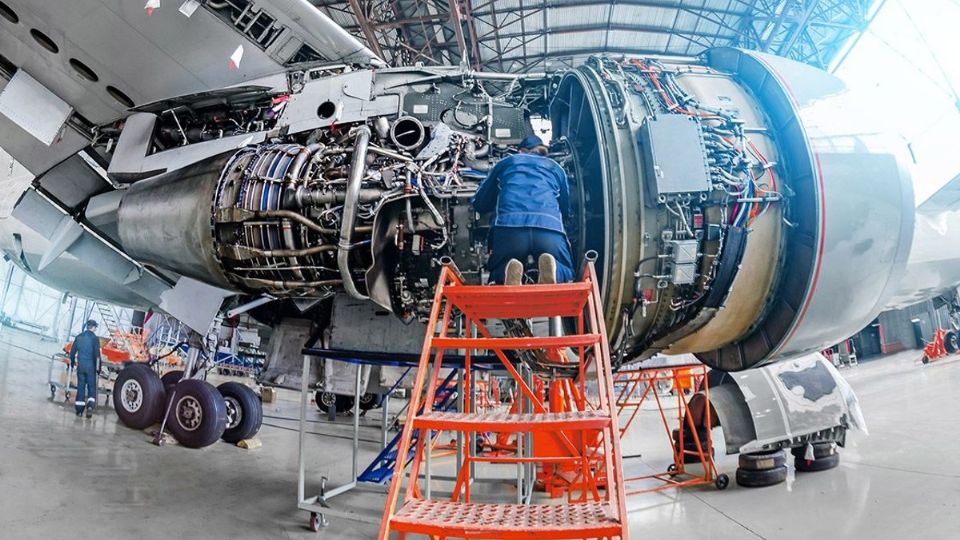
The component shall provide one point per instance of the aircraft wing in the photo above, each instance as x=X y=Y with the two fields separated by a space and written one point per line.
x=934 y=265
x=946 y=199
x=92 y=60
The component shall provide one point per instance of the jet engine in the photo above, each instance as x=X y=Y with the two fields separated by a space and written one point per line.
x=741 y=210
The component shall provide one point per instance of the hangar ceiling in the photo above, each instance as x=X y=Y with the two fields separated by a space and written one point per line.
x=525 y=35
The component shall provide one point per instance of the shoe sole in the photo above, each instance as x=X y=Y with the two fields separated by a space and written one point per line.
x=548 y=269
x=514 y=273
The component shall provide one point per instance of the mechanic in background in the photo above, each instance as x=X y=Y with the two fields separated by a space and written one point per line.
x=529 y=194
x=85 y=357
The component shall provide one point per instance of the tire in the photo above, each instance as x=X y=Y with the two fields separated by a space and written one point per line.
x=244 y=411
x=762 y=461
x=722 y=481
x=951 y=343
x=369 y=401
x=138 y=396
x=198 y=416
x=769 y=477
x=820 y=464
x=171 y=378
x=344 y=403
x=324 y=399
x=820 y=450
x=691 y=445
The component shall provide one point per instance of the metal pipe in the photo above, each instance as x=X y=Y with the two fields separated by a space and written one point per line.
x=243 y=308
x=357 y=165
x=447 y=261
x=292 y=180
x=356 y=423
x=389 y=153
x=319 y=196
x=241 y=215
x=247 y=252
x=250 y=282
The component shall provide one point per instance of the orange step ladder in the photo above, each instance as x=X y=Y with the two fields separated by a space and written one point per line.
x=588 y=436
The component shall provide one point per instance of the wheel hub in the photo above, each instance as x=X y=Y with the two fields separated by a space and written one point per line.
x=189 y=413
x=131 y=396
x=234 y=412
x=328 y=399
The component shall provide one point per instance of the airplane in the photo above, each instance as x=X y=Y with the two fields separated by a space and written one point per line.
x=195 y=162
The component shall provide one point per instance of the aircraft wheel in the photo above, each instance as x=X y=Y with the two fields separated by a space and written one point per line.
x=762 y=461
x=138 y=396
x=344 y=403
x=369 y=401
x=171 y=378
x=324 y=399
x=768 y=477
x=198 y=416
x=244 y=411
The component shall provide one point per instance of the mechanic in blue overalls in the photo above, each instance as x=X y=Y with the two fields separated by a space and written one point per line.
x=529 y=194
x=85 y=357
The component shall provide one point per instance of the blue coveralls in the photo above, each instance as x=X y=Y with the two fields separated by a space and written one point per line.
x=85 y=356
x=530 y=195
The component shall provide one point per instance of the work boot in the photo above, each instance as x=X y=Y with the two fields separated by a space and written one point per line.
x=548 y=269
x=514 y=273
x=91 y=405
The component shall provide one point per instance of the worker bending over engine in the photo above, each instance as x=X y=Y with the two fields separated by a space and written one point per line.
x=529 y=194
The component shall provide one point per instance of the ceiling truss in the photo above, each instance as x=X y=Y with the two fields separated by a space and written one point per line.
x=534 y=35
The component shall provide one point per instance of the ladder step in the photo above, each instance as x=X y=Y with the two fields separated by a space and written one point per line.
x=508 y=521
x=516 y=343
x=520 y=301
x=505 y=422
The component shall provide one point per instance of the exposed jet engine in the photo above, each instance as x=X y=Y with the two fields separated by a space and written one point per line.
x=724 y=194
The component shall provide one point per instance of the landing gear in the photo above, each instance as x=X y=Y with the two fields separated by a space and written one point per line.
x=244 y=411
x=325 y=399
x=369 y=401
x=198 y=413
x=170 y=379
x=340 y=402
x=138 y=396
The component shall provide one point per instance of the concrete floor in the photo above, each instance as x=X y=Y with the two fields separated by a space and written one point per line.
x=60 y=475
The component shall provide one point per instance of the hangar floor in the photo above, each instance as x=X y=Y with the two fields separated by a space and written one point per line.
x=60 y=475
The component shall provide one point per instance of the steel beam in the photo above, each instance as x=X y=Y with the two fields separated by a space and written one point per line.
x=366 y=29
x=625 y=27
x=590 y=3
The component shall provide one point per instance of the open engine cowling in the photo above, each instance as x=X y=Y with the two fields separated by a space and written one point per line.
x=741 y=209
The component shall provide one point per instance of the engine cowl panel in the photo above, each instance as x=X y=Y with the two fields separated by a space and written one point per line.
x=723 y=211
